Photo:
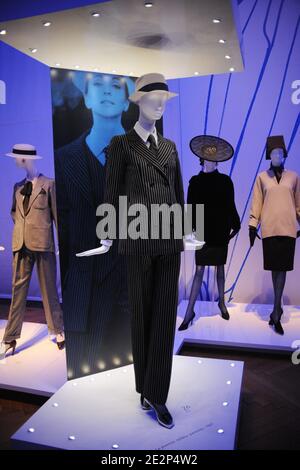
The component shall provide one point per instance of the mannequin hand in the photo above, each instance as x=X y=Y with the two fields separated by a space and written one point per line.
x=233 y=234
x=252 y=235
x=190 y=242
x=96 y=251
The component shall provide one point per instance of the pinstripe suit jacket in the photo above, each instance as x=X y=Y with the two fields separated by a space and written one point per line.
x=145 y=178
x=77 y=232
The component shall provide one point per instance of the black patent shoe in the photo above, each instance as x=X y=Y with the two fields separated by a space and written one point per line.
x=271 y=321
x=224 y=313
x=60 y=340
x=185 y=324
x=6 y=346
x=163 y=415
x=145 y=406
x=277 y=325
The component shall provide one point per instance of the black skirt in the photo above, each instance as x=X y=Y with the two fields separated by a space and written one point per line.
x=279 y=253
x=211 y=255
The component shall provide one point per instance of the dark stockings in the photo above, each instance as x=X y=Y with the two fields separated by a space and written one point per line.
x=196 y=286
x=197 y=281
x=221 y=288
x=278 y=278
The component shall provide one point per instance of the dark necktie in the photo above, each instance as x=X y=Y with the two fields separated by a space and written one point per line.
x=152 y=141
x=26 y=191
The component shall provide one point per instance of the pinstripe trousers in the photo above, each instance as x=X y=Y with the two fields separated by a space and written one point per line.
x=153 y=298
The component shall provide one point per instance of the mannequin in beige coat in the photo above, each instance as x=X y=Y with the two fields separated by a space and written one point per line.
x=33 y=213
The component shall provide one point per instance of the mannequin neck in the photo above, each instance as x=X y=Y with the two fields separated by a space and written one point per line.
x=147 y=124
x=31 y=172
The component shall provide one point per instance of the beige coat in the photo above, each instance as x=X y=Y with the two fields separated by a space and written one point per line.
x=276 y=205
x=36 y=229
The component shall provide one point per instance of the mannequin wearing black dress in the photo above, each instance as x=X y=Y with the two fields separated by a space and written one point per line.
x=221 y=222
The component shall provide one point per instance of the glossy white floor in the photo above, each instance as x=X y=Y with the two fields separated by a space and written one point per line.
x=37 y=367
x=102 y=411
x=248 y=326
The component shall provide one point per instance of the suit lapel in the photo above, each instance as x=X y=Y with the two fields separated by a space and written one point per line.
x=76 y=169
x=36 y=190
x=19 y=196
x=157 y=159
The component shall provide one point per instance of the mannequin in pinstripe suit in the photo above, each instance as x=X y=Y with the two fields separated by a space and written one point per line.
x=145 y=166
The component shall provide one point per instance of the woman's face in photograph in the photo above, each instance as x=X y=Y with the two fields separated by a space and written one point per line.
x=106 y=95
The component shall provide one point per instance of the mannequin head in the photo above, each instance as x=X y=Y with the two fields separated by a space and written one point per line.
x=152 y=105
x=27 y=165
x=208 y=166
x=277 y=157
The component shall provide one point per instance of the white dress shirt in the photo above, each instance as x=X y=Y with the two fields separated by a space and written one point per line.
x=144 y=134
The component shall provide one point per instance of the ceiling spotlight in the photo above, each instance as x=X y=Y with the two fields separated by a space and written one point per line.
x=47 y=23
x=76 y=66
x=3 y=32
x=222 y=41
x=95 y=14
x=232 y=69
x=216 y=20
x=148 y=4
x=33 y=50
x=57 y=65
x=196 y=73
x=228 y=57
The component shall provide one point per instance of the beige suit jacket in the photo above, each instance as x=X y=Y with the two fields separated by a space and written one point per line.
x=35 y=230
x=276 y=206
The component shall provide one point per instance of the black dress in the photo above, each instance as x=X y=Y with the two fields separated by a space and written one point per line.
x=215 y=190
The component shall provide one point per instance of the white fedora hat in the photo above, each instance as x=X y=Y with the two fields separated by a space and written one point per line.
x=148 y=83
x=24 y=151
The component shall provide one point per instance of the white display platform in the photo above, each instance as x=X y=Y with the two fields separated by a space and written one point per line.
x=247 y=328
x=102 y=411
x=37 y=367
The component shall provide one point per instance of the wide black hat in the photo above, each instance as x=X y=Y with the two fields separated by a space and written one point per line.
x=275 y=142
x=211 y=148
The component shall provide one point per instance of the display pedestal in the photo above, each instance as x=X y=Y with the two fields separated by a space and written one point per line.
x=102 y=411
x=37 y=367
x=247 y=328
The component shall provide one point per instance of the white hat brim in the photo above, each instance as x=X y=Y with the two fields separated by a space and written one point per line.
x=136 y=96
x=25 y=157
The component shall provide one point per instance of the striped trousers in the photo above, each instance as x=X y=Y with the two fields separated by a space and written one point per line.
x=153 y=298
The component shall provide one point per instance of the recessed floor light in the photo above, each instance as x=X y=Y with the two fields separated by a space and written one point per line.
x=47 y=23
x=217 y=20
x=95 y=14
x=227 y=57
x=3 y=32
x=222 y=41
x=148 y=4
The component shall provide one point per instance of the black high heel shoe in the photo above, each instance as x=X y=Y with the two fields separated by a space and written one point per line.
x=184 y=325
x=277 y=325
x=271 y=321
x=6 y=346
x=225 y=313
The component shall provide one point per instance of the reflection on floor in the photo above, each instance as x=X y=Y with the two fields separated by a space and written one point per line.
x=37 y=366
x=248 y=326
x=102 y=411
